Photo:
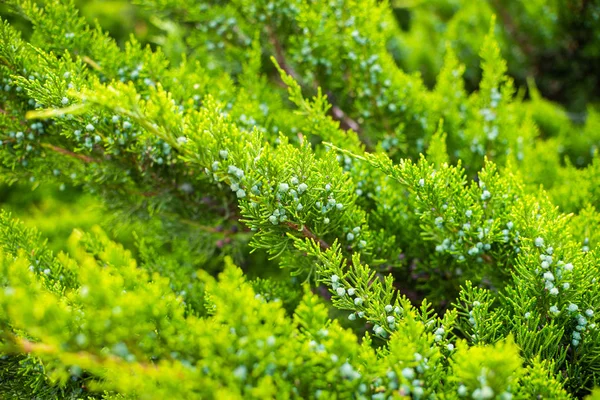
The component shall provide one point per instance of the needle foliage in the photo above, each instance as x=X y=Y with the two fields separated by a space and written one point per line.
x=262 y=199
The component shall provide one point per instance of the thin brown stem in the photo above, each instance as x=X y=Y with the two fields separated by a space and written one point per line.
x=69 y=153
x=309 y=235
x=345 y=121
x=280 y=55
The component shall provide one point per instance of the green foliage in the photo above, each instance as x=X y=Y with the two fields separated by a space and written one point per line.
x=555 y=40
x=261 y=200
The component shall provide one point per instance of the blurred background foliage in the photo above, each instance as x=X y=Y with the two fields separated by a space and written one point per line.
x=555 y=42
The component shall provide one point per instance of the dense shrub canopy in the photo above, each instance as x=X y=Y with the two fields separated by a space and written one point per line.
x=299 y=199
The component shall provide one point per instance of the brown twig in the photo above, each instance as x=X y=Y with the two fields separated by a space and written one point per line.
x=280 y=55
x=345 y=121
x=309 y=235
x=81 y=157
